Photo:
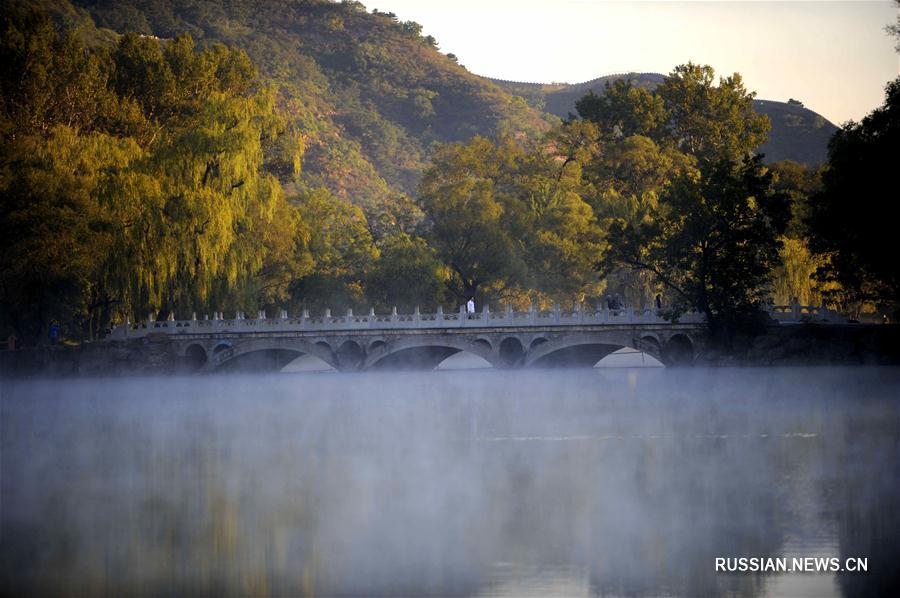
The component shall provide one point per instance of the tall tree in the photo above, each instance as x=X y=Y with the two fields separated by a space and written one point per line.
x=137 y=180
x=711 y=121
x=624 y=110
x=713 y=240
x=407 y=274
x=342 y=250
x=851 y=220
x=466 y=220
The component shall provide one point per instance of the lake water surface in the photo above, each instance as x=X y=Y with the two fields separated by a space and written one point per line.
x=619 y=482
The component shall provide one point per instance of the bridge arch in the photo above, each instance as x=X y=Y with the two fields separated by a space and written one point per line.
x=577 y=350
x=485 y=343
x=651 y=345
x=349 y=355
x=537 y=341
x=274 y=353
x=511 y=351
x=195 y=356
x=679 y=350
x=426 y=352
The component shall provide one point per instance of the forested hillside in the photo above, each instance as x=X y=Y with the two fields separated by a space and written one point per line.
x=370 y=94
x=797 y=133
x=374 y=97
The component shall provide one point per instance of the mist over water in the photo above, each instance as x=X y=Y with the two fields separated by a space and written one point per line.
x=581 y=482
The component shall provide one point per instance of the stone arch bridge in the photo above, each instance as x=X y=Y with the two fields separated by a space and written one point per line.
x=422 y=341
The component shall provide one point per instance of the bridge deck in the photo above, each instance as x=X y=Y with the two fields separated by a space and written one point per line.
x=438 y=321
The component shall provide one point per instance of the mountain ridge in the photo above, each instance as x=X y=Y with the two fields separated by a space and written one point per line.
x=797 y=133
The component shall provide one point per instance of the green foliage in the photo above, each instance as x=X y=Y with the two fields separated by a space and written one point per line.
x=624 y=110
x=687 y=111
x=460 y=196
x=371 y=96
x=48 y=79
x=794 y=278
x=142 y=174
x=143 y=187
x=797 y=133
x=406 y=275
x=684 y=206
x=711 y=121
x=850 y=220
x=343 y=252
x=54 y=233
x=506 y=219
x=558 y=231
x=713 y=240
x=628 y=178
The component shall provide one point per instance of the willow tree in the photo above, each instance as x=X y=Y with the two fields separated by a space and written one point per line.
x=137 y=180
x=55 y=234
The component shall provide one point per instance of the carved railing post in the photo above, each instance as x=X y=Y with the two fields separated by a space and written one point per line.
x=394 y=314
x=439 y=316
x=532 y=313
x=463 y=316
x=556 y=314
x=486 y=314
x=416 y=317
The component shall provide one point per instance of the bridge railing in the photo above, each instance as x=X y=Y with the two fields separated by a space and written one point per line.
x=416 y=320
x=804 y=313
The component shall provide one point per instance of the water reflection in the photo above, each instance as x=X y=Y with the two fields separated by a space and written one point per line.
x=609 y=482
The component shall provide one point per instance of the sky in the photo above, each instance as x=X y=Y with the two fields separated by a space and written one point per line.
x=834 y=56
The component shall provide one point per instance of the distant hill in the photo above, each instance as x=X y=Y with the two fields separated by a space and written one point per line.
x=797 y=133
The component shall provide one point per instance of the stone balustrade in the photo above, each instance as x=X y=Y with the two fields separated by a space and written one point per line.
x=437 y=320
